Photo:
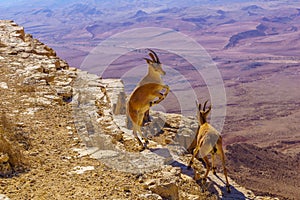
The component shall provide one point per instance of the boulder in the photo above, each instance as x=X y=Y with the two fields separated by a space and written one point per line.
x=166 y=190
x=165 y=183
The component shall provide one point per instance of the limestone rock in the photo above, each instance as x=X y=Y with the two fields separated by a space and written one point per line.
x=155 y=127
x=116 y=94
x=3 y=197
x=165 y=183
x=34 y=78
x=166 y=190
x=65 y=92
x=82 y=169
x=150 y=197
x=191 y=196
x=3 y=85
x=185 y=136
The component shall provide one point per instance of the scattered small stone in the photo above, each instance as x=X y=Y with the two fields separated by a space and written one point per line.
x=3 y=197
x=81 y=170
x=150 y=197
x=3 y=85
x=166 y=190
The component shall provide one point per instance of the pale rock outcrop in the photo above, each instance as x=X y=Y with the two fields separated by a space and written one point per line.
x=36 y=64
x=165 y=183
x=37 y=78
x=3 y=85
x=3 y=197
x=105 y=134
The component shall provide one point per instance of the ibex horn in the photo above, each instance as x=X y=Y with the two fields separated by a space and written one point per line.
x=155 y=57
x=205 y=105
x=148 y=60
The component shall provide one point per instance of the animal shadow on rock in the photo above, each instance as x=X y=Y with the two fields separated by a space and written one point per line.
x=211 y=185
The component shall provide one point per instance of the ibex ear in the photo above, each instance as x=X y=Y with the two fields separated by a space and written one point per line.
x=148 y=61
x=209 y=108
x=198 y=106
x=205 y=105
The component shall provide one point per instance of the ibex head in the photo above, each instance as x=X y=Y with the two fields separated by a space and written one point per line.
x=155 y=63
x=202 y=114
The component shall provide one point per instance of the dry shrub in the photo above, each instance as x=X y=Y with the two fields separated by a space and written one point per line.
x=26 y=88
x=16 y=160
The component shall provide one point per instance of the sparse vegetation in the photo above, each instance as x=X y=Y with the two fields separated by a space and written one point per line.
x=13 y=159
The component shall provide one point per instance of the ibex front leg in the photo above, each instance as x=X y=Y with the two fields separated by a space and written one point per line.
x=224 y=169
x=161 y=96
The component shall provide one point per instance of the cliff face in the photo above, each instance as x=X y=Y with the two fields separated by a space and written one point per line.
x=32 y=63
x=63 y=134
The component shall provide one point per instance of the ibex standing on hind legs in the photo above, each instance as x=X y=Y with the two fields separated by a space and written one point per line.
x=154 y=74
x=140 y=101
x=209 y=140
x=146 y=94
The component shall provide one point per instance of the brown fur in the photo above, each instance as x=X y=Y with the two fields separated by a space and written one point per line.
x=209 y=141
x=154 y=74
x=140 y=101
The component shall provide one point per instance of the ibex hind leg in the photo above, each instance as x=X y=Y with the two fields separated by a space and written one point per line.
x=195 y=152
x=146 y=141
x=208 y=166
x=222 y=156
x=213 y=163
x=137 y=138
x=146 y=118
x=140 y=121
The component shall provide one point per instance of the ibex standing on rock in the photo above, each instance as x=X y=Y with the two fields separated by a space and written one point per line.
x=146 y=94
x=209 y=140
x=140 y=101
x=154 y=74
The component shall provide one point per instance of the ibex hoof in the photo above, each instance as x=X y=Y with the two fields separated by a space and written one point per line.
x=199 y=180
x=146 y=122
x=145 y=145
x=228 y=189
x=142 y=148
x=203 y=180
